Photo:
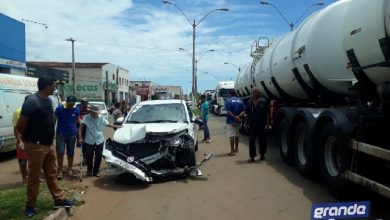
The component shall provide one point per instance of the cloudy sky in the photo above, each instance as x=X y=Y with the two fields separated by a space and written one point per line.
x=144 y=36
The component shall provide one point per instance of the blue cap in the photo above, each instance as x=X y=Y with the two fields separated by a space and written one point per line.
x=71 y=99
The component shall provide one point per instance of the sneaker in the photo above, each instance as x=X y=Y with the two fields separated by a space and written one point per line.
x=65 y=203
x=29 y=211
x=97 y=174
x=208 y=140
x=59 y=176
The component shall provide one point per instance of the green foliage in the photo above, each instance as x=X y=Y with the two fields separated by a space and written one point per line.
x=196 y=112
x=12 y=201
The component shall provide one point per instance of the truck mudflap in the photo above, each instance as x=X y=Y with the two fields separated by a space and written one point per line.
x=141 y=171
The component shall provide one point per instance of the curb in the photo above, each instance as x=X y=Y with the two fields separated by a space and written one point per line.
x=64 y=213
x=61 y=214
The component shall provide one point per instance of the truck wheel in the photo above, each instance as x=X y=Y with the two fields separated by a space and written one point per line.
x=334 y=158
x=285 y=147
x=305 y=155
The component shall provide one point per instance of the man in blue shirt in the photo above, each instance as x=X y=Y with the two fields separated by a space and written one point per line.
x=235 y=109
x=68 y=118
x=94 y=139
x=204 y=114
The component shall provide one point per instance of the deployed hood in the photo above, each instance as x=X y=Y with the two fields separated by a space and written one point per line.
x=135 y=132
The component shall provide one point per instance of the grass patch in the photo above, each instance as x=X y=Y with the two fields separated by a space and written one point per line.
x=12 y=201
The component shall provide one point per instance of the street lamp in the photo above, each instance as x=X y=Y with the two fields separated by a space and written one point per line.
x=238 y=68
x=73 y=66
x=291 y=24
x=194 y=24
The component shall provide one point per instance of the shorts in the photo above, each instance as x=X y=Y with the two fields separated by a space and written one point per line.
x=69 y=141
x=21 y=154
x=232 y=130
x=22 y=162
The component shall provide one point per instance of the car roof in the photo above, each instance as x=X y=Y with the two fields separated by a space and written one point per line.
x=156 y=102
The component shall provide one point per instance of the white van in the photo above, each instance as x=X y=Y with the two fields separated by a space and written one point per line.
x=13 y=90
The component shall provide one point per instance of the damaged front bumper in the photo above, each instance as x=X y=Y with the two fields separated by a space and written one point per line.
x=141 y=170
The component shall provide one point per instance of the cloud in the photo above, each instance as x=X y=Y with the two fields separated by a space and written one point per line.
x=143 y=36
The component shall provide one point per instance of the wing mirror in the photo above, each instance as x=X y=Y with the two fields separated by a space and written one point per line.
x=119 y=121
x=197 y=120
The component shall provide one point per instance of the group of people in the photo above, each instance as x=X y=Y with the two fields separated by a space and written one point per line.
x=35 y=131
x=120 y=110
x=254 y=112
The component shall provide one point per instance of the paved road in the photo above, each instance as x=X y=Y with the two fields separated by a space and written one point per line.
x=229 y=189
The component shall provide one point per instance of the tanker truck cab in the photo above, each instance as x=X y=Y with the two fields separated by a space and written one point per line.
x=13 y=90
x=221 y=95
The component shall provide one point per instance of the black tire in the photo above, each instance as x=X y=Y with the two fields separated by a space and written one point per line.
x=305 y=154
x=286 y=149
x=192 y=157
x=334 y=158
x=196 y=146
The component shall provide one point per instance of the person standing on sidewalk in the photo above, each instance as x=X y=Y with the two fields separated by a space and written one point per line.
x=94 y=139
x=204 y=114
x=257 y=109
x=68 y=118
x=36 y=124
x=84 y=110
x=21 y=154
x=235 y=109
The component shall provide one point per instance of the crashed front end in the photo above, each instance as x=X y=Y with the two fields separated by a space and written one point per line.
x=162 y=155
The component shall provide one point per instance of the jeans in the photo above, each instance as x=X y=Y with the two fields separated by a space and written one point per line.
x=206 y=131
x=41 y=157
x=63 y=141
x=261 y=135
x=93 y=152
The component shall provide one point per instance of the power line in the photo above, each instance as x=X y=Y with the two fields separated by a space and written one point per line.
x=35 y=22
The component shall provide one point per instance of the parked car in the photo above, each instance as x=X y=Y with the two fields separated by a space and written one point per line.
x=158 y=139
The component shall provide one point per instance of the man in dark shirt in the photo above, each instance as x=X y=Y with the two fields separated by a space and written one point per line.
x=36 y=124
x=257 y=109
x=84 y=110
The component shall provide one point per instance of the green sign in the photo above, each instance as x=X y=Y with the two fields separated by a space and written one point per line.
x=112 y=86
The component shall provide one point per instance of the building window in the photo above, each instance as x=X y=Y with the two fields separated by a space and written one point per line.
x=113 y=76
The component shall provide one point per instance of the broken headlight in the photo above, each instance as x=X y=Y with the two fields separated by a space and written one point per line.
x=176 y=141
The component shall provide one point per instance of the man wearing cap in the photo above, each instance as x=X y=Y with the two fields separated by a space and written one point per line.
x=36 y=125
x=94 y=139
x=68 y=118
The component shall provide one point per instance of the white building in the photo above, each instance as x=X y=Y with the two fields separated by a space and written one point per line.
x=90 y=80
x=123 y=83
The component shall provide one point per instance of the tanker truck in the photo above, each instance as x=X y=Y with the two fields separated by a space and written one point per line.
x=220 y=96
x=331 y=80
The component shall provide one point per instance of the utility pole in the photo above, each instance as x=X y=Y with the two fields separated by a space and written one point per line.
x=106 y=92
x=73 y=66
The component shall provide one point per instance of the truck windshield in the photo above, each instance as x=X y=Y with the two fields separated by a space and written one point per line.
x=224 y=92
